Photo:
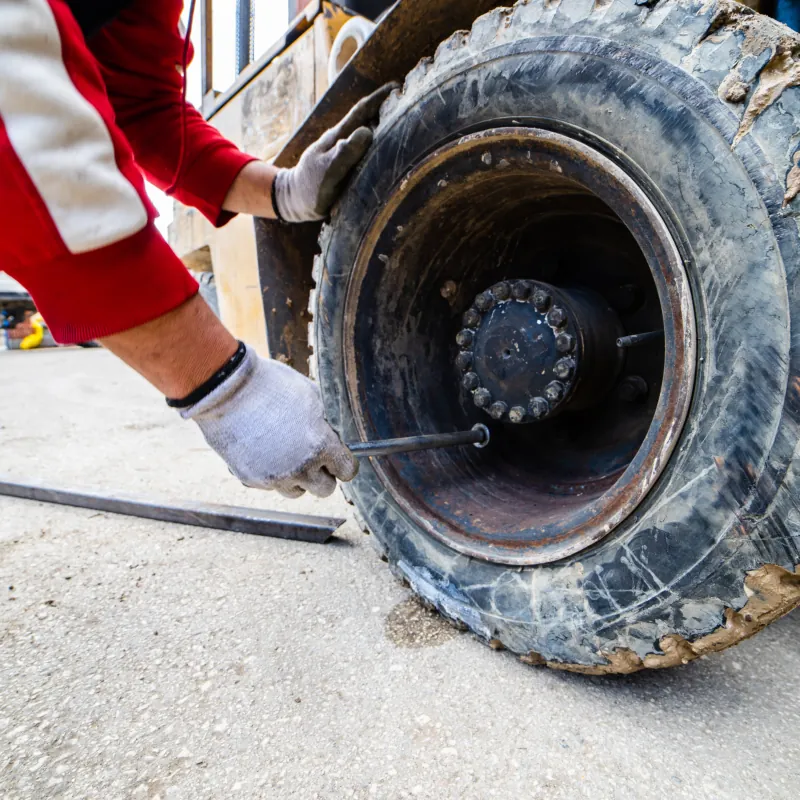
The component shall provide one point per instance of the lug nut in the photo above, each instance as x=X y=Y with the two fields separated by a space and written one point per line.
x=541 y=300
x=520 y=290
x=502 y=291
x=556 y=317
x=632 y=389
x=564 y=368
x=482 y=398
x=539 y=407
x=517 y=414
x=484 y=301
x=554 y=392
x=471 y=318
x=470 y=381
x=448 y=290
x=497 y=410
x=565 y=342
x=464 y=359
x=465 y=337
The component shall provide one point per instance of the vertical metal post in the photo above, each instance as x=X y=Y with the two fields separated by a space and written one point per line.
x=206 y=47
x=244 y=33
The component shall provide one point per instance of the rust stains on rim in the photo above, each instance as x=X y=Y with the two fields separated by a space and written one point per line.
x=605 y=179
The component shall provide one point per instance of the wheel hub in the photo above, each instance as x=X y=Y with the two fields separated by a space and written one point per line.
x=469 y=239
x=524 y=347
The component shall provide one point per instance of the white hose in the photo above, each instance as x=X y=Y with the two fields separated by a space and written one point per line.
x=347 y=43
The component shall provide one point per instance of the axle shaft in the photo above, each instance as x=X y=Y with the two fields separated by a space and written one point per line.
x=639 y=338
x=478 y=435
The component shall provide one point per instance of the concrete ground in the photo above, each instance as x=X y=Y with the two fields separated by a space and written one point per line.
x=147 y=660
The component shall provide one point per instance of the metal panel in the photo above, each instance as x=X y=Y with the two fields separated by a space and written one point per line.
x=206 y=47
x=244 y=34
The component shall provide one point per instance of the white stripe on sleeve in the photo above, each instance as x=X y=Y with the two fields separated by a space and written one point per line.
x=59 y=137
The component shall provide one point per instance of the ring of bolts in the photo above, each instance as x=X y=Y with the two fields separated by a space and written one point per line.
x=564 y=369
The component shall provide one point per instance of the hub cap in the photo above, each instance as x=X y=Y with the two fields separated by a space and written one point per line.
x=524 y=348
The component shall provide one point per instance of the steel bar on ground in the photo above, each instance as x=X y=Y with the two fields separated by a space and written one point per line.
x=479 y=435
x=639 y=338
x=276 y=524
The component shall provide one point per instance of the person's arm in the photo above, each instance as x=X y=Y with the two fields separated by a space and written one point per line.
x=307 y=191
x=77 y=231
x=263 y=418
x=140 y=56
x=177 y=351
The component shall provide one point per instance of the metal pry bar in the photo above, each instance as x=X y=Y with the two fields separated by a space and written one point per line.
x=478 y=435
x=276 y=524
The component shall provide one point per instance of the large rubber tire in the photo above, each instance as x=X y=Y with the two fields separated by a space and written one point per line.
x=700 y=98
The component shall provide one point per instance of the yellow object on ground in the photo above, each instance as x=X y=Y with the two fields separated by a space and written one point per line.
x=33 y=340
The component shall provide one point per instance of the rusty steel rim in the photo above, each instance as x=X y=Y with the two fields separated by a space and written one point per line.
x=533 y=151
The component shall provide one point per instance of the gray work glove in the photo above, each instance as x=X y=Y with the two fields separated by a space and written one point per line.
x=306 y=192
x=266 y=422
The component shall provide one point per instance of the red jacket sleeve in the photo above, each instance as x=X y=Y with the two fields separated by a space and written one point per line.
x=140 y=55
x=76 y=227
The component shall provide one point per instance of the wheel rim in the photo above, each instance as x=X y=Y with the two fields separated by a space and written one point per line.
x=515 y=207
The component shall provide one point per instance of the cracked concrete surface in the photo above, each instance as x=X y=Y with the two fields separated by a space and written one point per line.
x=146 y=660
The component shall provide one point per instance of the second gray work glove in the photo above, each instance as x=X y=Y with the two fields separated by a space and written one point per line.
x=266 y=422
x=306 y=192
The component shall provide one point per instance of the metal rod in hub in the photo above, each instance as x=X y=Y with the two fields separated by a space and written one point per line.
x=478 y=435
x=639 y=338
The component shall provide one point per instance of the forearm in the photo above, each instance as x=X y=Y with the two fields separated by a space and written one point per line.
x=251 y=191
x=178 y=351
x=263 y=418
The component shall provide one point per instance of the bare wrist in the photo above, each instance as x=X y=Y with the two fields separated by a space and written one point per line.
x=178 y=351
x=251 y=190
